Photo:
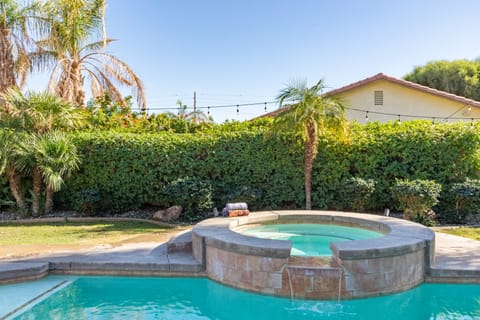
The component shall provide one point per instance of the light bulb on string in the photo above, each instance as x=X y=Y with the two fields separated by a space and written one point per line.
x=469 y=108
x=265 y=107
x=208 y=110
x=471 y=125
x=366 y=117
x=399 y=120
x=238 y=110
x=433 y=122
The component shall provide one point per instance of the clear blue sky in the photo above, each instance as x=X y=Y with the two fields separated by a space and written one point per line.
x=242 y=51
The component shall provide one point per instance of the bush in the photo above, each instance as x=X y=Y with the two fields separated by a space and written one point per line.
x=461 y=200
x=131 y=170
x=416 y=197
x=192 y=194
x=87 y=201
x=355 y=193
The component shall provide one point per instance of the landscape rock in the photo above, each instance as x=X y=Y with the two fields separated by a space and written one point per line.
x=169 y=215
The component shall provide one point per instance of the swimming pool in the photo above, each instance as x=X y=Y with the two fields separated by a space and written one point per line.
x=309 y=239
x=200 y=298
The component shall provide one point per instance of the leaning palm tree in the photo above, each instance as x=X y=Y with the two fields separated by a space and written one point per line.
x=17 y=20
x=308 y=115
x=75 y=61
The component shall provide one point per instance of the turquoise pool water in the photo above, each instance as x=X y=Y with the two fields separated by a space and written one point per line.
x=309 y=239
x=200 y=298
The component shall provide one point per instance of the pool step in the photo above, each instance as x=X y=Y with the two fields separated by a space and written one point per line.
x=22 y=271
x=180 y=243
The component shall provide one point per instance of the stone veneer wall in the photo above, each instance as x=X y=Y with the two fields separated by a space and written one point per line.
x=282 y=277
x=353 y=272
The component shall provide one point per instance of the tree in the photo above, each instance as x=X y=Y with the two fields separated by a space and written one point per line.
x=8 y=142
x=49 y=158
x=310 y=115
x=72 y=58
x=34 y=115
x=460 y=77
x=16 y=22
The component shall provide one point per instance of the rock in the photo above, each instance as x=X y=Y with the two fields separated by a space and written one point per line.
x=169 y=215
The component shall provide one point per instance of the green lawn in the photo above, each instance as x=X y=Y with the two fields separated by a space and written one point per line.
x=467 y=232
x=77 y=232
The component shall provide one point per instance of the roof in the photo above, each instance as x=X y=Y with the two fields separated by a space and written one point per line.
x=408 y=84
x=404 y=83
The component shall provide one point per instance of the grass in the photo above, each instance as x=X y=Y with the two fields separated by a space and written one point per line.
x=467 y=232
x=99 y=232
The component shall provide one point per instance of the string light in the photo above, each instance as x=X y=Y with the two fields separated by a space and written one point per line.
x=469 y=108
x=367 y=112
x=471 y=125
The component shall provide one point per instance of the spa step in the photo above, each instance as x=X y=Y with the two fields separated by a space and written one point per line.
x=181 y=242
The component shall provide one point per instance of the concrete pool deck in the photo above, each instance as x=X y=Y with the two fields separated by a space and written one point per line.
x=457 y=259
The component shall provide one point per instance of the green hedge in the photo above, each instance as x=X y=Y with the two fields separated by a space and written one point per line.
x=125 y=170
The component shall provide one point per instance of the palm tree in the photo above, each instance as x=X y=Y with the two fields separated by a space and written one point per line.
x=49 y=158
x=38 y=112
x=309 y=116
x=8 y=142
x=34 y=114
x=16 y=21
x=75 y=61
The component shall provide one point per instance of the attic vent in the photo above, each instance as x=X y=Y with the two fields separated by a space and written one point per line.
x=378 y=97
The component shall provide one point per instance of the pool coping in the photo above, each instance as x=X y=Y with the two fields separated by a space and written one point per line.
x=467 y=270
x=399 y=235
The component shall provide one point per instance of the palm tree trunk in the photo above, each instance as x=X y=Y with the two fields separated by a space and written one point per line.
x=309 y=157
x=14 y=182
x=48 y=200
x=37 y=190
x=7 y=69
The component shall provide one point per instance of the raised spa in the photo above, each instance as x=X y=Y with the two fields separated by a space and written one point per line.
x=395 y=257
x=308 y=239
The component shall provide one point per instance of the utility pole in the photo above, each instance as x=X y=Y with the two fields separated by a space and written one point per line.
x=195 y=107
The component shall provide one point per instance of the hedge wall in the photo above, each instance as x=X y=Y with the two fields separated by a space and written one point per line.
x=125 y=171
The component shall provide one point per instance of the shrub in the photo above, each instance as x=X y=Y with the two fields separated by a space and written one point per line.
x=87 y=201
x=131 y=170
x=462 y=199
x=192 y=194
x=355 y=193
x=416 y=197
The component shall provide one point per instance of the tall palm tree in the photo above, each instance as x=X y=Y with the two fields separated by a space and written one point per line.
x=49 y=158
x=75 y=61
x=17 y=20
x=308 y=115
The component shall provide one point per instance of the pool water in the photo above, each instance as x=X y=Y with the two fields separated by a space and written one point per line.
x=200 y=298
x=309 y=239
